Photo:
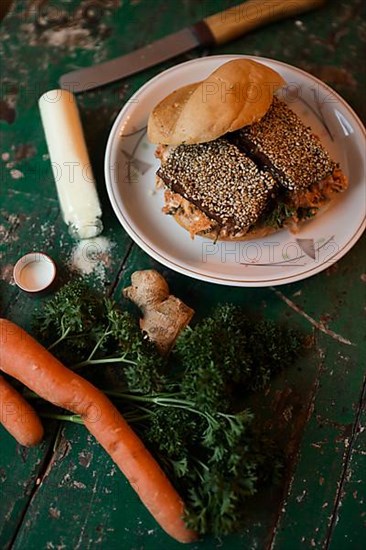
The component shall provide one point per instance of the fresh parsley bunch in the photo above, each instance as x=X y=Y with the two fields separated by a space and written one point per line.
x=188 y=408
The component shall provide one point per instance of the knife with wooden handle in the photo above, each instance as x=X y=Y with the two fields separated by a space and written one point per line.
x=212 y=30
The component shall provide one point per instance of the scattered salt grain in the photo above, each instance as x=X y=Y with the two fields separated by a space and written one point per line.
x=47 y=230
x=92 y=256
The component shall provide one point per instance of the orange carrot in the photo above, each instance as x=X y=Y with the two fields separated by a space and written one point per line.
x=18 y=417
x=25 y=359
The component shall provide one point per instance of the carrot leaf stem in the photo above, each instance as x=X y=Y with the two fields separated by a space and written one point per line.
x=105 y=361
x=184 y=405
x=75 y=418
x=107 y=333
x=59 y=340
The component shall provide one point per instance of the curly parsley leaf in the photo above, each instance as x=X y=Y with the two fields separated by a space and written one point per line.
x=185 y=406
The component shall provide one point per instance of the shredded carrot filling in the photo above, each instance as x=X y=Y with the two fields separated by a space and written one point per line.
x=320 y=193
x=196 y=220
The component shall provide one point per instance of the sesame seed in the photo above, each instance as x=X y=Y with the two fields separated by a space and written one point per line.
x=220 y=180
x=287 y=147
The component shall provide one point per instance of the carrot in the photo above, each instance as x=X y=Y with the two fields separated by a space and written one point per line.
x=18 y=417
x=28 y=361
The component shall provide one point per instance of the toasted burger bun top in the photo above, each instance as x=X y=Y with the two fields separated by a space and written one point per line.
x=236 y=94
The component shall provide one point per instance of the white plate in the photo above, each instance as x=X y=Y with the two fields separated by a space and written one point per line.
x=130 y=168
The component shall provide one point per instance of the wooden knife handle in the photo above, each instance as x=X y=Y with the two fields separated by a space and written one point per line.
x=233 y=22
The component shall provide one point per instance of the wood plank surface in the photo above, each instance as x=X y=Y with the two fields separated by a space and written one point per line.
x=67 y=493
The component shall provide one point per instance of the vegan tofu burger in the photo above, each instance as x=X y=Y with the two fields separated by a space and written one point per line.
x=235 y=161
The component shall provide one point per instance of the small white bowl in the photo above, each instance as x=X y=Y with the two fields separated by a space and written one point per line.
x=34 y=272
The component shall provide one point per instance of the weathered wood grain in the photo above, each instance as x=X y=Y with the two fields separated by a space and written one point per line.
x=19 y=471
x=72 y=496
x=348 y=525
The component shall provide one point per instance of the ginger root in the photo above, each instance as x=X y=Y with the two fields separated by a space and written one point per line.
x=164 y=315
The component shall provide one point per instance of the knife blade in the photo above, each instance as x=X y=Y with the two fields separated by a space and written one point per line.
x=213 y=30
x=132 y=63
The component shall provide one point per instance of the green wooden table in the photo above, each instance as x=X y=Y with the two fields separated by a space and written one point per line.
x=67 y=493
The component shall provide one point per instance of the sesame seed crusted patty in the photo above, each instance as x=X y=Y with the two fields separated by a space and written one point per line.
x=283 y=144
x=220 y=180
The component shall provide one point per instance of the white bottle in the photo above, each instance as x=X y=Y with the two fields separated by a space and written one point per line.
x=71 y=166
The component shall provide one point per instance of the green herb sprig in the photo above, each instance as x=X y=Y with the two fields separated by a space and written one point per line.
x=185 y=407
